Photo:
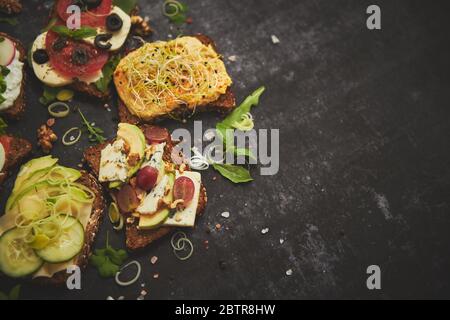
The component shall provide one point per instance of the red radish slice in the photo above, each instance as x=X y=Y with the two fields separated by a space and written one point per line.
x=7 y=52
x=156 y=135
x=5 y=141
x=184 y=189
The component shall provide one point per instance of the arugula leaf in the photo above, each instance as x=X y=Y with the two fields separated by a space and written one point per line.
x=3 y=126
x=126 y=5
x=11 y=21
x=108 y=70
x=50 y=25
x=95 y=133
x=13 y=294
x=108 y=260
x=236 y=174
x=77 y=34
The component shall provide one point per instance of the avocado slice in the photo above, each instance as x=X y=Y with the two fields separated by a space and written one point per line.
x=134 y=137
x=31 y=189
x=50 y=175
x=152 y=221
x=32 y=167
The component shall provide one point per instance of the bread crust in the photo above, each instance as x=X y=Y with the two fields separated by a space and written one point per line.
x=224 y=104
x=19 y=150
x=135 y=238
x=16 y=111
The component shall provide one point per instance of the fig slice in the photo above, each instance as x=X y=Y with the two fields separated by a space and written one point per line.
x=127 y=199
x=7 y=52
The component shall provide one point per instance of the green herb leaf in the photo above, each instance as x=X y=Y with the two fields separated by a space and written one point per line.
x=48 y=95
x=126 y=5
x=11 y=21
x=108 y=70
x=77 y=34
x=108 y=260
x=3 y=126
x=236 y=174
x=50 y=25
x=14 y=293
x=95 y=133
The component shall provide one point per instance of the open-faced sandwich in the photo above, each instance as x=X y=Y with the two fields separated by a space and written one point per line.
x=12 y=152
x=10 y=6
x=50 y=221
x=154 y=193
x=172 y=79
x=12 y=77
x=83 y=58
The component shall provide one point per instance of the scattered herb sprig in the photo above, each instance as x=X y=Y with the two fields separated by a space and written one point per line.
x=12 y=295
x=11 y=21
x=126 y=5
x=108 y=260
x=95 y=133
x=76 y=34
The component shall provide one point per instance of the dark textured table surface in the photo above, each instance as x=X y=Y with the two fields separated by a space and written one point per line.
x=364 y=143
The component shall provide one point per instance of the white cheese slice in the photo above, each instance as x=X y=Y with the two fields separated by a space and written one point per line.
x=113 y=162
x=13 y=82
x=118 y=37
x=186 y=217
x=150 y=203
x=2 y=157
x=46 y=73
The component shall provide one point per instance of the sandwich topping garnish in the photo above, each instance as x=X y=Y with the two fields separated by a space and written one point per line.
x=11 y=73
x=42 y=230
x=159 y=76
x=62 y=56
x=144 y=183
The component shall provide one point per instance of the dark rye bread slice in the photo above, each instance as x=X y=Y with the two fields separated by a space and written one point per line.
x=18 y=108
x=90 y=90
x=18 y=150
x=224 y=104
x=135 y=238
x=90 y=232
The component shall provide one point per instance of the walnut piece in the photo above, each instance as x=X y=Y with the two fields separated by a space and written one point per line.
x=140 y=26
x=10 y=6
x=46 y=137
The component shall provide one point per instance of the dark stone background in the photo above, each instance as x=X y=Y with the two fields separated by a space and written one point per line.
x=364 y=176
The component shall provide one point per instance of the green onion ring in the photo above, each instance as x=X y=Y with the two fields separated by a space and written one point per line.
x=120 y=225
x=136 y=277
x=174 y=243
x=69 y=143
x=191 y=249
x=59 y=114
x=171 y=3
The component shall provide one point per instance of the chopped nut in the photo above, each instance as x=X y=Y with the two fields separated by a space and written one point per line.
x=10 y=6
x=154 y=259
x=133 y=159
x=182 y=168
x=51 y=122
x=46 y=137
x=156 y=276
x=140 y=26
x=218 y=226
x=176 y=203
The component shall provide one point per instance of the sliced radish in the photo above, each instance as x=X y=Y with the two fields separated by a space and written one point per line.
x=7 y=52
x=2 y=157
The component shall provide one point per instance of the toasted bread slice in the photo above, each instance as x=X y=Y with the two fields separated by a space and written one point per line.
x=18 y=150
x=224 y=104
x=10 y=6
x=136 y=238
x=90 y=232
x=90 y=90
x=18 y=108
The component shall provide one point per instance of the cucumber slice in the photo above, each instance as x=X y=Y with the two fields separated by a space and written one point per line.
x=17 y=259
x=67 y=245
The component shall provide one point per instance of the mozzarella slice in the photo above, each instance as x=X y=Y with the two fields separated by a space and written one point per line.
x=186 y=217
x=150 y=203
x=118 y=37
x=113 y=162
x=45 y=72
x=2 y=157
